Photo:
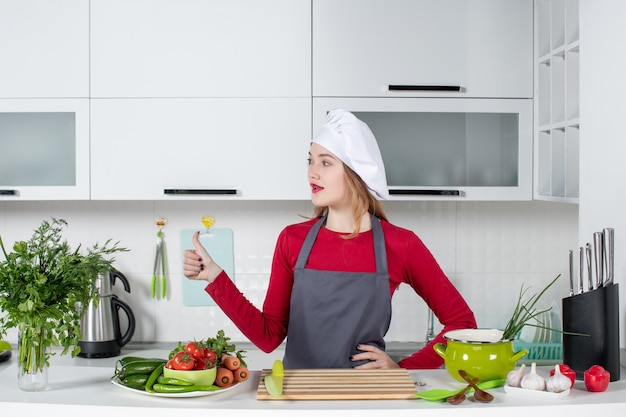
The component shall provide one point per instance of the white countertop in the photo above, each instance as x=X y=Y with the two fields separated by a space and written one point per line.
x=79 y=385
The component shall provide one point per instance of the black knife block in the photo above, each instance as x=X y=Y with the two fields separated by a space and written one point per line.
x=595 y=313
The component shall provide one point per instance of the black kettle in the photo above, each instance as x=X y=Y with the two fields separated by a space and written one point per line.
x=100 y=322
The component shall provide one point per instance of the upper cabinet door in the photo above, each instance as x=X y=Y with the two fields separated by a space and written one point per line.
x=213 y=148
x=44 y=149
x=443 y=48
x=44 y=47
x=200 y=48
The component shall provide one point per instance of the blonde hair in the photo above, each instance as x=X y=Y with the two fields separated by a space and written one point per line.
x=363 y=201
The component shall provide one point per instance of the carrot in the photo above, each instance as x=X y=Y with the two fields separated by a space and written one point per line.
x=241 y=374
x=224 y=377
x=230 y=362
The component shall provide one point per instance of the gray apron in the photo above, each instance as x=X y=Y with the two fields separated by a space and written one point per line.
x=332 y=312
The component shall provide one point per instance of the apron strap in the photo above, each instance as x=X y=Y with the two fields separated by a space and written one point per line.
x=303 y=256
x=380 y=252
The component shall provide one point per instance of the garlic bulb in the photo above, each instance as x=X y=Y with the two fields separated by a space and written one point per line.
x=558 y=382
x=533 y=380
x=514 y=377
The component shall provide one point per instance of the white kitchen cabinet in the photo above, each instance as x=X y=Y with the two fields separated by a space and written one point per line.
x=44 y=45
x=200 y=48
x=557 y=127
x=44 y=149
x=447 y=148
x=223 y=148
x=443 y=48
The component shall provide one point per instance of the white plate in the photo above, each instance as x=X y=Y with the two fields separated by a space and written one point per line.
x=546 y=333
x=547 y=395
x=528 y=333
x=539 y=320
x=537 y=329
x=555 y=314
x=542 y=334
x=179 y=395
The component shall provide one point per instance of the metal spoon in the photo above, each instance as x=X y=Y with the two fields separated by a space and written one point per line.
x=479 y=395
x=460 y=397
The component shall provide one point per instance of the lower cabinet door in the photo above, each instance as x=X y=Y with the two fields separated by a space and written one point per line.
x=222 y=148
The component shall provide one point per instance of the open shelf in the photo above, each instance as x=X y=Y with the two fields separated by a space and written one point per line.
x=557 y=109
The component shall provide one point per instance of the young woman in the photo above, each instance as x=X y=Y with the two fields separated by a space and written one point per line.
x=333 y=276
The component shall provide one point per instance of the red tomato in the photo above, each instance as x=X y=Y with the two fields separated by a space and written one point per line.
x=210 y=356
x=195 y=350
x=191 y=348
x=568 y=372
x=170 y=364
x=206 y=359
x=183 y=362
x=597 y=379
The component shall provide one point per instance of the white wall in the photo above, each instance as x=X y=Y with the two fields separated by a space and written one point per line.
x=487 y=248
x=602 y=138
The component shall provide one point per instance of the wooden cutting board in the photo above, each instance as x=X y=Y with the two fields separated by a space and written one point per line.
x=342 y=384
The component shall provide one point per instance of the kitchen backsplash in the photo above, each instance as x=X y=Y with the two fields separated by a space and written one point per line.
x=488 y=249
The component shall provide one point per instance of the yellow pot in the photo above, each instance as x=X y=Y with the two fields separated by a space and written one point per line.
x=479 y=353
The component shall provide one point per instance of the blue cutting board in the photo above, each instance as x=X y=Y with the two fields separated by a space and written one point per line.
x=219 y=244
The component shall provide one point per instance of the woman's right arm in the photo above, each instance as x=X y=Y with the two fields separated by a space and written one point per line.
x=266 y=329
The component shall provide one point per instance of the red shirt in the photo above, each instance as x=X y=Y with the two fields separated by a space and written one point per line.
x=408 y=259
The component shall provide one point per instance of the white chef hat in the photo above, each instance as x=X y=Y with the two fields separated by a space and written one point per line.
x=352 y=141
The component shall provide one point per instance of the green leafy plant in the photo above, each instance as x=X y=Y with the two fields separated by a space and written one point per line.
x=41 y=282
x=526 y=310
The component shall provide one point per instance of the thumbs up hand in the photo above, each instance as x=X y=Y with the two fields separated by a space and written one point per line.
x=198 y=264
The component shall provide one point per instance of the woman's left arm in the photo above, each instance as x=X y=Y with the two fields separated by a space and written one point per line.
x=422 y=272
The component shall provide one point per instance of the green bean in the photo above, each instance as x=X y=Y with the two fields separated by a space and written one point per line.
x=178 y=389
x=173 y=381
x=154 y=376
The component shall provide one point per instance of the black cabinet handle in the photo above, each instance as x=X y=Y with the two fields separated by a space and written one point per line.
x=196 y=191
x=425 y=192
x=8 y=192
x=403 y=87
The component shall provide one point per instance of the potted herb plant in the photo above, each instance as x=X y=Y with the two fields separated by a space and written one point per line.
x=41 y=281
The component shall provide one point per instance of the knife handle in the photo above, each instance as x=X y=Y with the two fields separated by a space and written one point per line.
x=581 y=269
x=598 y=245
x=608 y=235
x=589 y=267
x=571 y=272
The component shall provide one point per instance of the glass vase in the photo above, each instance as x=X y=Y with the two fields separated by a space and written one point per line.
x=32 y=363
